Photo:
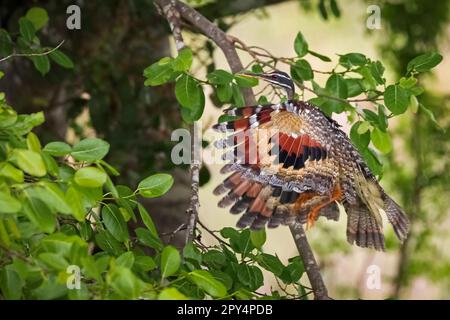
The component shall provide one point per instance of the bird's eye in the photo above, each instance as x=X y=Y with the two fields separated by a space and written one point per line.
x=274 y=76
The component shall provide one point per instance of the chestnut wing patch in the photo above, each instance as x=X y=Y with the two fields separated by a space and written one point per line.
x=294 y=150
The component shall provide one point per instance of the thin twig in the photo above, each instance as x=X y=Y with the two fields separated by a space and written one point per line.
x=12 y=55
x=211 y=232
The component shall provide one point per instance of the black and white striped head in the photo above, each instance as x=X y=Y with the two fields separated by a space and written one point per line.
x=277 y=78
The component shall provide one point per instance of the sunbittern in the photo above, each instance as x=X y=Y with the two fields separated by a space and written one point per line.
x=291 y=162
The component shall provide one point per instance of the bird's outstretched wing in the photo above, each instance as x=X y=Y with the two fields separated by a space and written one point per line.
x=280 y=170
x=289 y=162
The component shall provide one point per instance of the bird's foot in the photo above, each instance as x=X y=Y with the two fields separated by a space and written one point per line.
x=312 y=216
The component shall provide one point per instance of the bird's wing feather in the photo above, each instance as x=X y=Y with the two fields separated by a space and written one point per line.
x=274 y=159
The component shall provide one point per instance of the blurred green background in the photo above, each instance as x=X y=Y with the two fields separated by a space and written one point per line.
x=104 y=96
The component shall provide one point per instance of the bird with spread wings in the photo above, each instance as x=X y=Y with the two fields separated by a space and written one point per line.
x=289 y=162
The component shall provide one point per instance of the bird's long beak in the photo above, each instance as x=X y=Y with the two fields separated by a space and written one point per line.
x=248 y=74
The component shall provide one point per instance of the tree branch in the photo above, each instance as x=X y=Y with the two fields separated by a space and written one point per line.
x=169 y=10
x=173 y=11
x=309 y=261
x=220 y=38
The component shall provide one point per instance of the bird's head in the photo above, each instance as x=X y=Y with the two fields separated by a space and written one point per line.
x=276 y=78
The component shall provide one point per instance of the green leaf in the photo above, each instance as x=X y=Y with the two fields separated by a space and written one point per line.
x=354 y=87
x=245 y=243
x=363 y=127
x=270 y=263
x=147 y=219
x=381 y=140
x=75 y=200
x=90 y=149
x=57 y=148
x=396 y=99
x=382 y=118
x=109 y=168
x=336 y=86
x=257 y=68
x=335 y=9
x=62 y=59
x=160 y=72
x=350 y=60
x=33 y=143
x=114 y=222
x=377 y=70
x=250 y=276
x=223 y=278
x=233 y=235
x=429 y=113
x=26 y=29
x=238 y=98
x=125 y=283
x=9 y=204
x=219 y=76
x=155 y=185
x=214 y=259
x=51 y=195
x=224 y=92
x=189 y=115
x=38 y=17
x=144 y=263
x=90 y=177
x=188 y=92
x=207 y=282
x=170 y=261
x=320 y=56
x=328 y=105
x=424 y=62
x=108 y=243
x=258 y=238
x=245 y=82
x=41 y=63
x=192 y=253
x=39 y=214
x=54 y=261
x=126 y=260
x=109 y=185
x=9 y=171
x=171 y=294
x=302 y=71
x=407 y=83
x=7 y=117
x=50 y=289
x=300 y=45
x=50 y=164
x=29 y=161
x=10 y=283
x=293 y=272
x=361 y=141
x=368 y=81
x=183 y=61
x=372 y=161
x=147 y=238
x=6 y=44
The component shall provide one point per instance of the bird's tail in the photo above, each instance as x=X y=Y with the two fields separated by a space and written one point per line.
x=396 y=217
x=364 y=225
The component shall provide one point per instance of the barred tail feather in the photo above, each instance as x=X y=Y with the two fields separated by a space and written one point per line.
x=397 y=218
x=363 y=228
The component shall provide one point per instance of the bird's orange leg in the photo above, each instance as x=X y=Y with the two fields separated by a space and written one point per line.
x=312 y=216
